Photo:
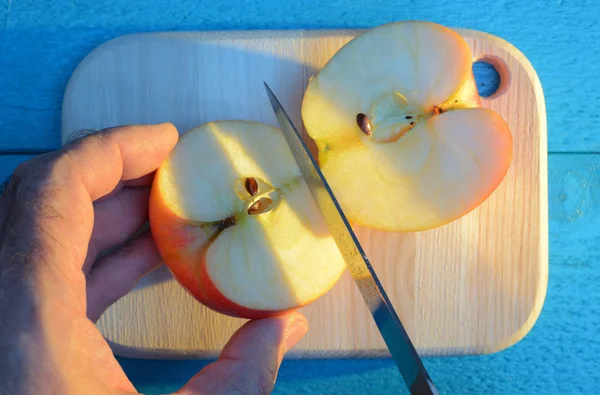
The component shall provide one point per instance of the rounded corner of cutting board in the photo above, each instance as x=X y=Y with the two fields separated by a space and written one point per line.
x=78 y=74
x=359 y=338
x=522 y=331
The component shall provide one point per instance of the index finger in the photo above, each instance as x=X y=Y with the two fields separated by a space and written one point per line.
x=124 y=153
x=51 y=197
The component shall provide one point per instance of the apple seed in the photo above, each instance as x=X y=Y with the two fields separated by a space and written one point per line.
x=251 y=186
x=364 y=123
x=260 y=206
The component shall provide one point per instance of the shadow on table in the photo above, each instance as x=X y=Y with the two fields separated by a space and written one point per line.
x=161 y=376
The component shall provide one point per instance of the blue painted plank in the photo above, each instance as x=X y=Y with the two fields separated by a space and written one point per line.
x=34 y=69
x=559 y=355
x=42 y=41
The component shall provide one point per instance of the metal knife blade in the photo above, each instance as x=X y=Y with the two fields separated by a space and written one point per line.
x=397 y=340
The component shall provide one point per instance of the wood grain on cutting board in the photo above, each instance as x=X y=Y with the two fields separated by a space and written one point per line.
x=476 y=285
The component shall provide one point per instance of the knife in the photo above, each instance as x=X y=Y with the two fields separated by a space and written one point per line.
x=397 y=340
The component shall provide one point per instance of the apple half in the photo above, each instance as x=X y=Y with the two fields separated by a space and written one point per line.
x=237 y=225
x=402 y=139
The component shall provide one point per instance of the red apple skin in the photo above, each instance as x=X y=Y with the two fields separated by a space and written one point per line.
x=182 y=246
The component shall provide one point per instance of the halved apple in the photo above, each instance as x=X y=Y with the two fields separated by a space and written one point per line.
x=402 y=140
x=236 y=224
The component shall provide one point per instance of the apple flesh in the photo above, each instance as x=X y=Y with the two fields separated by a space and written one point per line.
x=402 y=139
x=236 y=224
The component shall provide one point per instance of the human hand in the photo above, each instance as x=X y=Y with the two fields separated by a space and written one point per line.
x=58 y=212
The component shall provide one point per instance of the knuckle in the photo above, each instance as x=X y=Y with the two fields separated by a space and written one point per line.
x=266 y=380
x=237 y=385
x=35 y=174
x=33 y=188
x=23 y=171
x=259 y=383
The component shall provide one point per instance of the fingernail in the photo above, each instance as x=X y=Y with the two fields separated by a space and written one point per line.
x=295 y=333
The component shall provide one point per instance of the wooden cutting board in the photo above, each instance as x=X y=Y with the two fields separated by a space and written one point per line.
x=474 y=286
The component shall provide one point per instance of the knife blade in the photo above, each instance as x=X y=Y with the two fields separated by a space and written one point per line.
x=395 y=336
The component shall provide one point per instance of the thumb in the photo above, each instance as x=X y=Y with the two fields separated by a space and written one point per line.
x=250 y=361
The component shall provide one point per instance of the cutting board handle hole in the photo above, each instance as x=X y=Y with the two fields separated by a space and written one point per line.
x=492 y=76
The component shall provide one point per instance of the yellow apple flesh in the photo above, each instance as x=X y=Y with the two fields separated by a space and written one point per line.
x=236 y=224
x=402 y=139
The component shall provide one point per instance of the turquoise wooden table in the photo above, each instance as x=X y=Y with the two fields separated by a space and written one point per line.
x=41 y=42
